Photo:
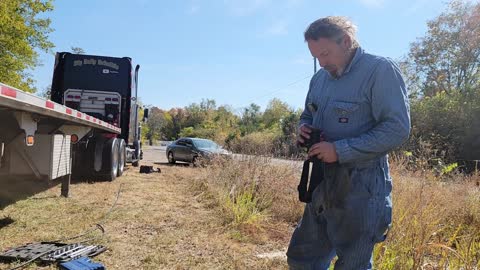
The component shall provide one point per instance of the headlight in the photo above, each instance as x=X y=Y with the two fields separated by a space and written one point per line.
x=205 y=153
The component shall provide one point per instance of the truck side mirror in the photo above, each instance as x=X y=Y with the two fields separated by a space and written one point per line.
x=145 y=115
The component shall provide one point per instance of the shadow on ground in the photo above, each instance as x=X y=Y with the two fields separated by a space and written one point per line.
x=4 y=222
x=175 y=164
x=13 y=189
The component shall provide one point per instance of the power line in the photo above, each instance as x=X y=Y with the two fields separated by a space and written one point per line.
x=277 y=90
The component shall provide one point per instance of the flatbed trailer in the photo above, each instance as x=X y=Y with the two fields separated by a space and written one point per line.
x=37 y=136
x=85 y=134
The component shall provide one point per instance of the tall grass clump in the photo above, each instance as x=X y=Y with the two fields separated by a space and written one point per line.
x=436 y=217
x=436 y=224
x=252 y=192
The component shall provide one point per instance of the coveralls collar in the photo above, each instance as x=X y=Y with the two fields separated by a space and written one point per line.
x=356 y=57
x=358 y=54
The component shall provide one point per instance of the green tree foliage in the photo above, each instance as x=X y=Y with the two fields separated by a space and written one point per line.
x=443 y=74
x=251 y=119
x=269 y=132
x=447 y=58
x=276 y=110
x=156 y=120
x=207 y=121
x=21 y=33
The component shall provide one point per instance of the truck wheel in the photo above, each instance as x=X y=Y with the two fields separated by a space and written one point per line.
x=122 y=155
x=171 y=159
x=110 y=158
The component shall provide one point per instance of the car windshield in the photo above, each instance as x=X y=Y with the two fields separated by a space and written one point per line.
x=205 y=144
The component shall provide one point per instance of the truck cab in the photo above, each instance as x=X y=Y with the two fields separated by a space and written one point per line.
x=103 y=87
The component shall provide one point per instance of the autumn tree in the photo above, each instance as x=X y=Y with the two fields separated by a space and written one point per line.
x=251 y=119
x=22 y=32
x=274 y=113
x=447 y=58
x=156 y=120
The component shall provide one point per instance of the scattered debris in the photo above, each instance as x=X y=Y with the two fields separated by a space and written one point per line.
x=149 y=169
x=273 y=255
x=81 y=264
x=49 y=252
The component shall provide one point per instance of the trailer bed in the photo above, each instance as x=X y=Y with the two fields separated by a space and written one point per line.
x=15 y=99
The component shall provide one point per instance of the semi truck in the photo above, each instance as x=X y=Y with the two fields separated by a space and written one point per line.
x=89 y=128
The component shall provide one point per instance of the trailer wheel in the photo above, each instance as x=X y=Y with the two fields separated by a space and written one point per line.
x=110 y=158
x=122 y=155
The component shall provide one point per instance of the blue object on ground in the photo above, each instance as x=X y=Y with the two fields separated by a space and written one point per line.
x=81 y=264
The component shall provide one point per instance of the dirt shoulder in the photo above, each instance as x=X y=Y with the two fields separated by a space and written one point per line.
x=159 y=222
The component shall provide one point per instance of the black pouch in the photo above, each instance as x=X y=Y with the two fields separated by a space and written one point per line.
x=305 y=187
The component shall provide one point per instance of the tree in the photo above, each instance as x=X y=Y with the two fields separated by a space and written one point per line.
x=275 y=112
x=77 y=50
x=45 y=92
x=21 y=33
x=448 y=57
x=156 y=120
x=251 y=119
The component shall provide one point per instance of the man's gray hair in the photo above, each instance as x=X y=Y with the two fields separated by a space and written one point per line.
x=332 y=27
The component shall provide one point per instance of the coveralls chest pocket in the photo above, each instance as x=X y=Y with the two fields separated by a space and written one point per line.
x=342 y=119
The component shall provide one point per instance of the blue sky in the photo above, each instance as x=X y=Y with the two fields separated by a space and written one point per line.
x=233 y=51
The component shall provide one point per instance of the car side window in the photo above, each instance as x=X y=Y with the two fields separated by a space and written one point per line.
x=188 y=143
x=181 y=142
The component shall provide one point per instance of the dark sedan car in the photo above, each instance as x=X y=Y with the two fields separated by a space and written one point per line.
x=193 y=149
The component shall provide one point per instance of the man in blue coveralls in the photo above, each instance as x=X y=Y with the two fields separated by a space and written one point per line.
x=360 y=103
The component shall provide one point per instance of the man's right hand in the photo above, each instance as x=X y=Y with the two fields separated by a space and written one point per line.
x=303 y=133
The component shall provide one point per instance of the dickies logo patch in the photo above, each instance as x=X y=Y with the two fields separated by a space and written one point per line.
x=343 y=120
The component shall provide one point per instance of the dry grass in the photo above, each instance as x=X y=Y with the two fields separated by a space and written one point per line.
x=159 y=222
x=436 y=221
x=255 y=195
x=221 y=216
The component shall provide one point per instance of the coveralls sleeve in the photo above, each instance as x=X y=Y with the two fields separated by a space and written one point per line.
x=391 y=113
x=306 y=117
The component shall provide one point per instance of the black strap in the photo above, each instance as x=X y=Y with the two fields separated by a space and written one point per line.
x=302 y=186
x=304 y=194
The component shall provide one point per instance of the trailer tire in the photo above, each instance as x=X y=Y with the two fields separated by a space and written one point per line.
x=110 y=159
x=122 y=156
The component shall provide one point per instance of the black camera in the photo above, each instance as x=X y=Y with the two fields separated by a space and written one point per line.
x=316 y=136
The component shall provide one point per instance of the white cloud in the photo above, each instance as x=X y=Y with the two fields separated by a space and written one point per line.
x=372 y=3
x=278 y=28
x=193 y=9
x=300 y=60
x=246 y=7
x=416 y=6
x=294 y=3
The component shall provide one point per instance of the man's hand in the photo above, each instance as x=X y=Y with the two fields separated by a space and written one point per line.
x=303 y=133
x=324 y=151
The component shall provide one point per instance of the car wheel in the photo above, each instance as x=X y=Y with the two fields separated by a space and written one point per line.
x=198 y=161
x=171 y=159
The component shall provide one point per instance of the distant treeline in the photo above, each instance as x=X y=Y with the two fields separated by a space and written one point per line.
x=442 y=72
x=271 y=131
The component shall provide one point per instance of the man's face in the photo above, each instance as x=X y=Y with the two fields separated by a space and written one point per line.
x=333 y=56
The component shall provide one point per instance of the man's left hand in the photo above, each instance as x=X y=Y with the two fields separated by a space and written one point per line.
x=324 y=151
